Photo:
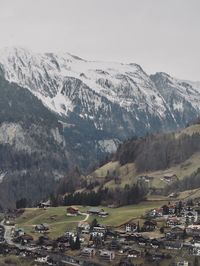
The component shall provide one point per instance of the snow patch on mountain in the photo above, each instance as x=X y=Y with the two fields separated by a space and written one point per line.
x=2 y=176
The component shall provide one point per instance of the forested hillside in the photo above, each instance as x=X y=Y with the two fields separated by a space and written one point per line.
x=157 y=152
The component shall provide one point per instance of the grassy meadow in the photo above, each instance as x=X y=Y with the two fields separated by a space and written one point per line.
x=59 y=222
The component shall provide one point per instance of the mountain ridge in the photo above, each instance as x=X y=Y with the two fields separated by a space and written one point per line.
x=127 y=86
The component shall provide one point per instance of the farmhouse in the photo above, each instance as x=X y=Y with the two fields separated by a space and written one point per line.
x=133 y=253
x=18 y=232
x=42 y=259
x=72 y=210
x=156 y=213
x=25 y=239
x=173 y=221
x=193 y=230
x=88 y=252
x=149 y=225
x=10 y=222
x=155 y=243
x=99 y=229
x=103 y=214
x=178 y=231
x=130 y=227
x=114 y=244
x=45 y=204
x=173 y=244
x=142 y=240
x=182 y=263
x=191 y=217
x=83 y=225
x=146 y=178
x=170 y=178
x=95 y=211
x=107 y=255
x=41 y=228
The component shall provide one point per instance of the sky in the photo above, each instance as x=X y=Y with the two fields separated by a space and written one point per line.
x=160 y=35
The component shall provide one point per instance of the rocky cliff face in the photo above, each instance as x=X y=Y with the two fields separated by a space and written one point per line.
x=181 y=97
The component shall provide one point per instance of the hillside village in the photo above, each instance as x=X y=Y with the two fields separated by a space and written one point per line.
x=165 y=235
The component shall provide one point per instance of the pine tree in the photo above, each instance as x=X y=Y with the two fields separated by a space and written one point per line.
x=138 y=227
x=77 y=244
x=94 y=223
x=71 y=242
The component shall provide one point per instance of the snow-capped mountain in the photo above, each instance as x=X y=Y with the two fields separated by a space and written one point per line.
x=45 y=75
x=103 y=92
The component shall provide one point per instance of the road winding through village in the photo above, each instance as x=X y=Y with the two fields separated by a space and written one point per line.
x=8 y=234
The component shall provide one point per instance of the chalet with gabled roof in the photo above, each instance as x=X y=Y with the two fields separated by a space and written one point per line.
x=190 y=217
x=42 y=228
x=130 y=227
x=72 y=211
x=88 y=252
x=107 y=255
x=193 y=230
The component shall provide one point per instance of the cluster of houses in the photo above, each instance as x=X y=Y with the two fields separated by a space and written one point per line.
x=21 y=237
x=39 y=256
x=165 y=178
x=174 y=226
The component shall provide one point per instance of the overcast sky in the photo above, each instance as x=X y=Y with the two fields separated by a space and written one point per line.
x=160 y=35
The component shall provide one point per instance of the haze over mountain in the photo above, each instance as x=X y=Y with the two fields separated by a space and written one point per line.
x=60 y=111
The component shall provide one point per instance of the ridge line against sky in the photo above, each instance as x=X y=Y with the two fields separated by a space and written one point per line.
x=159 y=35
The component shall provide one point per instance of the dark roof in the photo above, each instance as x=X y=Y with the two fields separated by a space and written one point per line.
x=95 y=210
x=72 y=208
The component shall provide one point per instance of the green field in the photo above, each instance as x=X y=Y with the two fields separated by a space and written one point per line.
x=121 y=215
x=56 y=218
x=59 y=222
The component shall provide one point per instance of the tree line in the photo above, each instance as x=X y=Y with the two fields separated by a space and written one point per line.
x=104 y=196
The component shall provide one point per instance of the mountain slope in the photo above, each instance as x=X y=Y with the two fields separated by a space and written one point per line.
x=181 y=97
x=33 y=152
